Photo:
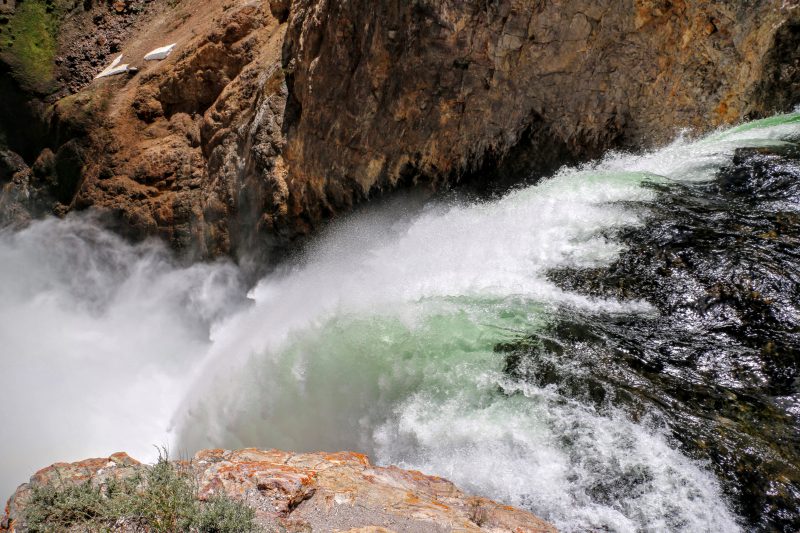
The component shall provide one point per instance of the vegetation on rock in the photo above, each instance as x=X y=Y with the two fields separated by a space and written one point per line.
x=161 y=498
x=283 y=491
x=29 y=39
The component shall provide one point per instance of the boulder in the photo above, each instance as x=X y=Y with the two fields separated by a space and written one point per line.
x=309 y=492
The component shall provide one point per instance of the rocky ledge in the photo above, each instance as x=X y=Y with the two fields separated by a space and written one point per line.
x=303 y=492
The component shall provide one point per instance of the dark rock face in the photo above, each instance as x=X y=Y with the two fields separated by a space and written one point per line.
x=779 y=85
x=226 y=145
x=439 y=89
x=280 y=9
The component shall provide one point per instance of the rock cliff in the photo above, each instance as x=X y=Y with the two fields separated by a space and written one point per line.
x=273 y=117
x=306 y=492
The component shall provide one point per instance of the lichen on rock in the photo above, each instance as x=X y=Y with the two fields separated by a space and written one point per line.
x=300 y=492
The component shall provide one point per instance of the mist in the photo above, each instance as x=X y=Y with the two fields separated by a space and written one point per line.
x=98 y=339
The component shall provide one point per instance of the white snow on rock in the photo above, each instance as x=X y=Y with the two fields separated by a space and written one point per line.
x=160 y=53
x=114 y=68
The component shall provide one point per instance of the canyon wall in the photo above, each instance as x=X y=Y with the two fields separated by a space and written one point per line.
x=271 y=118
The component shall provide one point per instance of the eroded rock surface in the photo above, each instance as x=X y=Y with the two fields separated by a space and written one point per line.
x=178 y=150
x=311 y=492
x=271 y=118
x=381 y=92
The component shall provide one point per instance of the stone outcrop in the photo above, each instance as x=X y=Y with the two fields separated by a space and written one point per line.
x=271 y=118
x=310 y=492
x=179 y=149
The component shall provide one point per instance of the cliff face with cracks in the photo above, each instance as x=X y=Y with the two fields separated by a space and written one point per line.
x=437 y=89
x=273 y=117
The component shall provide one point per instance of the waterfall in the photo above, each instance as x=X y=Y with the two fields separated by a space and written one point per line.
x=382 y=337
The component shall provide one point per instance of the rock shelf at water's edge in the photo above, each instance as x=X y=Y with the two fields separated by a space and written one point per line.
x=303 y=492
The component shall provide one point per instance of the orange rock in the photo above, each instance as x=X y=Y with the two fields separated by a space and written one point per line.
x=312 y=492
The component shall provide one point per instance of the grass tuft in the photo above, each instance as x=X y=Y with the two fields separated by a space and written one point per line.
x=162 y=499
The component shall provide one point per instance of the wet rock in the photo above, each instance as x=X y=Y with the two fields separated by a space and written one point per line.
x=10 y=164
x=720 y=362
x=310 y=492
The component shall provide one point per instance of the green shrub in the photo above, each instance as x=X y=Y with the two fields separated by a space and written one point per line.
x=223 y=515
x=162 y=499
x=54 y=509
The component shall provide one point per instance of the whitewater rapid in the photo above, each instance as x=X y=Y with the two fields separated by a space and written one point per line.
x=380 y=338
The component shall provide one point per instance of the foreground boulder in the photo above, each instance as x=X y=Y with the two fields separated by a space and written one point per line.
x=304 y=492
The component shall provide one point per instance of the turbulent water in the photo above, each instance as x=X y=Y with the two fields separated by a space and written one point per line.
x=505 y=344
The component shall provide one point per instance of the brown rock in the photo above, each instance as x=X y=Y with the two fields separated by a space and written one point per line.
x=448 y=89
x=312 y=492
x=280 y=9
x=146 y=105
x=10 y=164
x=256 y=133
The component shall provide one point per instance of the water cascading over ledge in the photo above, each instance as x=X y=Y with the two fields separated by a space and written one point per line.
x=558 y=348
x=612 y=348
